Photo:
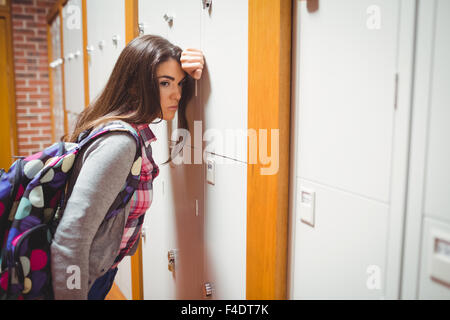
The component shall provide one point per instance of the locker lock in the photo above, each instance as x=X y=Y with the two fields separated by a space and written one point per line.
x=141 y=27
x=207 y=4
x=115 y=40
x=101 y=44
x=171 y=257
x=144 y=233
x=207 y=289
x=168 y=18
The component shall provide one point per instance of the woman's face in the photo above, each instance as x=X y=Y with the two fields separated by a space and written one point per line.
x=170 y=78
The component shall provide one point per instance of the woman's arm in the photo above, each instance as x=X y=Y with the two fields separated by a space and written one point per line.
x=106 y=163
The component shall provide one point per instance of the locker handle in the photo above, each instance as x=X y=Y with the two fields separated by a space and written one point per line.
x=206 y=4
x=312 y=5
x=168 y=18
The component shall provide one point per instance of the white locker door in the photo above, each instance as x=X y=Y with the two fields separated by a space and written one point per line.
x=95 y=21
x=224 y=82
x=225 y=229
x=112 y=34
x=223 y=90
x=159 y=223
x=350 y=162
x=174 y=221
x=56 y=63
x=435 y=260
x=187 y=180
x=151 y=17
x=74 y=67
x=427 y=256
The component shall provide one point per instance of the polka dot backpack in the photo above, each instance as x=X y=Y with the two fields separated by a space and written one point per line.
x=31 y=195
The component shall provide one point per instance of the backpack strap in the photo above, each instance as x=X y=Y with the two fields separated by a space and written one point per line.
x=132 y=181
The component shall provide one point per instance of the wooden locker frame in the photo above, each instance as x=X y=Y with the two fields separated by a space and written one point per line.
x=55 y=11
x=5 y=12
x=269 y=85
x=137 y=277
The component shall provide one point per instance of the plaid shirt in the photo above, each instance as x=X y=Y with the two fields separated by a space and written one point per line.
x=142 y=197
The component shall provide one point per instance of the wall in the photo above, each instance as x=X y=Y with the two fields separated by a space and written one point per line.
x=31 y=74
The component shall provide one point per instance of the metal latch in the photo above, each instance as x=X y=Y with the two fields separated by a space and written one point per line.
x=207 y=4
x=207 y=289
x=141 y=27
x=171 y=257
x=168 y=18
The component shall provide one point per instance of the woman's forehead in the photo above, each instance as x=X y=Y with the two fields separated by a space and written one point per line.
x=170 y=68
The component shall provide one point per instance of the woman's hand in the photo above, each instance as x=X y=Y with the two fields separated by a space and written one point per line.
x=192 y=62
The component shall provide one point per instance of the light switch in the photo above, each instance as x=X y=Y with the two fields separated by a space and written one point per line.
x=306 y=206
x=210 y=171
x=440 y=258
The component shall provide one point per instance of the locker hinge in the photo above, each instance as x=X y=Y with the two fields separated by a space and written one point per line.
x=396 y=91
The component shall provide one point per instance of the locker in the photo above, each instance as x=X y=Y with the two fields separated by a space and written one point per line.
x=225 y=230
x=224 y=95
x=106 y=40
x=174 y=221
x=74 y=66
x=189 y=216
x=56 y=73
x=151 y=17
x=428 y=213
x=94 y=48
x=224 y=89
x=351 y=114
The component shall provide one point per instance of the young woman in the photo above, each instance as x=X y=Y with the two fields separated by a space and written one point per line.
x=151 y=79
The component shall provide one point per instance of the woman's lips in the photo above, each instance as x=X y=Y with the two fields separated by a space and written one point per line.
x=173 y=107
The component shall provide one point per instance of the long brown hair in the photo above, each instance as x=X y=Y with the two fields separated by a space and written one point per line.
x=132 y=91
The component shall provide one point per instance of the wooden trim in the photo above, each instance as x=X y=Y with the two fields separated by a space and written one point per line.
x=115 y=293
x=131 y=20
x=6 y=8
x=131 y=32
x=5 y=12
x=54 y=10
x=50 y=80
x=269 y=78
x=85 y=53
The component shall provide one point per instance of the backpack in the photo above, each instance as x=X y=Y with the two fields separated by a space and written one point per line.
x=31 y=196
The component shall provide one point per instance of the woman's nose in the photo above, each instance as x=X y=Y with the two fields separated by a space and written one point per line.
x=176 y=94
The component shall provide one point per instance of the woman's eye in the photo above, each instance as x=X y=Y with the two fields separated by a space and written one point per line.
x=164 y=83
